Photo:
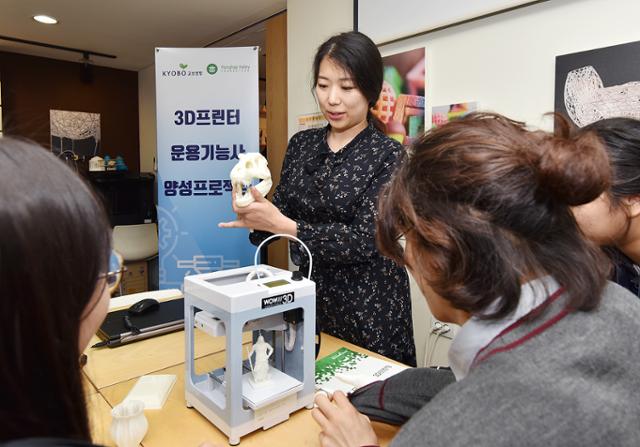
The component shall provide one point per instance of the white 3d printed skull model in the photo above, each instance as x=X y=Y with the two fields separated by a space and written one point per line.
x=249 y=167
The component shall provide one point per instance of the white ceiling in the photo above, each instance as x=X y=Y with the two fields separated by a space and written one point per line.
x=131 y=29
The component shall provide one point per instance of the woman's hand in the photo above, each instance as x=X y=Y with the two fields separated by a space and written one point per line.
x=260 y=215
x=342 y=425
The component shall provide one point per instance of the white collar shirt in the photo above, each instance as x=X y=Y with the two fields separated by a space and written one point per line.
x=476 y=333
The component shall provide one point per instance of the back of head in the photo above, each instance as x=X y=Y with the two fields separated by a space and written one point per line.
x=358 y=56
x=621 y=137
x=485 y=203
x=55 y=243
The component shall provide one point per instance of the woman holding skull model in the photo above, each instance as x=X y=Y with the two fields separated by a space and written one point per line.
x=327 y=197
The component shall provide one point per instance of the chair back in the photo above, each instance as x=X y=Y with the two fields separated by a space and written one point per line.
x=136 y=242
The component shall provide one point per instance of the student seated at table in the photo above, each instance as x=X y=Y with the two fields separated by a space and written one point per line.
x=613 y=219
x=54 y=252
x=548 y=348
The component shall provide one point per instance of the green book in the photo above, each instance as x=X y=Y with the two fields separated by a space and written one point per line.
x=347 y=370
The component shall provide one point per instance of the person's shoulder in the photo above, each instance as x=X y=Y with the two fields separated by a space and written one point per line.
x=308 y=135
x=304 y=142
x=386 y=146
x=380 y=139
x=618 y=299
x=446 y=418
x=492 y=407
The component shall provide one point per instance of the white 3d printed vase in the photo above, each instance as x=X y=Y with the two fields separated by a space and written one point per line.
x=129 y=424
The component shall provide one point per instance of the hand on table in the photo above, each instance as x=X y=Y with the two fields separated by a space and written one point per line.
x=260 y=215
x=342 y=425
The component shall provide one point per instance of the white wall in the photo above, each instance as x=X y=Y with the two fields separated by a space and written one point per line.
x=309 y=23
x=507 y=62
x=418 y=16
x=147 y=117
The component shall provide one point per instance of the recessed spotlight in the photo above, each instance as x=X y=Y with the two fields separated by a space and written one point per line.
x=48 y=20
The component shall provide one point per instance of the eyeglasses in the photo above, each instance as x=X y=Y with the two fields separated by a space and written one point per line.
x=112 y=277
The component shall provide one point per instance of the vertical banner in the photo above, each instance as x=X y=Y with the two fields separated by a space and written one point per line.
x=207 y=115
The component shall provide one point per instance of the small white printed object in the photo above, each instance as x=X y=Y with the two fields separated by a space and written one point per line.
x=128 y=424
x=250 y=166
x=262 y=351
x=152 y=390
x=96 y=164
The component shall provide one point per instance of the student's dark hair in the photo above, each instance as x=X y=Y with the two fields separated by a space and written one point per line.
x=621 y=137
x=485 y=204
x=359 y=56
x=54 y=246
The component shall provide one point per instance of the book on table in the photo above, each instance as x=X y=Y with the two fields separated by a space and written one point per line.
x=346 y=370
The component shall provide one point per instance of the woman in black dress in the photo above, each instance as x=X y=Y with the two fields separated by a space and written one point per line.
x=327 y=197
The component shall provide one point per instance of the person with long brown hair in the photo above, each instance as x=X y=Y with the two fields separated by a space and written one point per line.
x=54 y=250
x=547 y=349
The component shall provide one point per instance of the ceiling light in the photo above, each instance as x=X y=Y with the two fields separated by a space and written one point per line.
x=48 y=20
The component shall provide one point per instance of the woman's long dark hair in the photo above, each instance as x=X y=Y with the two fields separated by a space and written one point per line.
x=359 y=56
x=55 y=243
x=621 y=137
x=485 y=204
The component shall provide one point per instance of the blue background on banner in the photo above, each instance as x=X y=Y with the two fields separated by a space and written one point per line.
x=198 y=87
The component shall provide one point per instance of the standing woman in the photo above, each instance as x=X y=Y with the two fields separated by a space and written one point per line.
x=613 y=219
x=327 y=197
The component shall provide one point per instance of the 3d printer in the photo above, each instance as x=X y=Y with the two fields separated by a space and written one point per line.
x=274 y=303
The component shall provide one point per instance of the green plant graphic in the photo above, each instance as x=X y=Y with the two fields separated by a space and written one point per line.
x=340 y=361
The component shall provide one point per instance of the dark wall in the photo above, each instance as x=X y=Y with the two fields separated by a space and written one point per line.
x=31 y=86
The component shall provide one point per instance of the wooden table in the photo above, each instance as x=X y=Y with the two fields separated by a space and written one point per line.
x=111 y=374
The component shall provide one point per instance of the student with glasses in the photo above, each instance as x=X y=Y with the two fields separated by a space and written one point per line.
x=54 y=277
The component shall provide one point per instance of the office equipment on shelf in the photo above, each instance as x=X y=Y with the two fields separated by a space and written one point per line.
x=263 y=300
x=128 y=197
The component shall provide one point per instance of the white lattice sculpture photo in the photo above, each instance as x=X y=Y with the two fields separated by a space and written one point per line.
x=250 y=167
x=587 y=99
x=75 y=126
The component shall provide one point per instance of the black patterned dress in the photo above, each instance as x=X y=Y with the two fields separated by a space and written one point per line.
x=361 y=297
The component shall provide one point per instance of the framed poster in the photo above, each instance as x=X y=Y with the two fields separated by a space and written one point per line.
x=600 y=83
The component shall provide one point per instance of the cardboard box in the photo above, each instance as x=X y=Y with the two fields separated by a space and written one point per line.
x=135 y=279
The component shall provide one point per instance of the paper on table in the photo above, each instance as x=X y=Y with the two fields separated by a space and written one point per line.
x=152 y=390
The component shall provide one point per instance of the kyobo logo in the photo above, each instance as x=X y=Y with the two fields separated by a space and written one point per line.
x=182 y=72
x=212 y=69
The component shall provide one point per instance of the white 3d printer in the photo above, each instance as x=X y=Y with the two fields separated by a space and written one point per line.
x=274 y=303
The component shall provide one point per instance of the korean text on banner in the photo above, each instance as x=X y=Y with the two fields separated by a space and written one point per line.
x=207 y=115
